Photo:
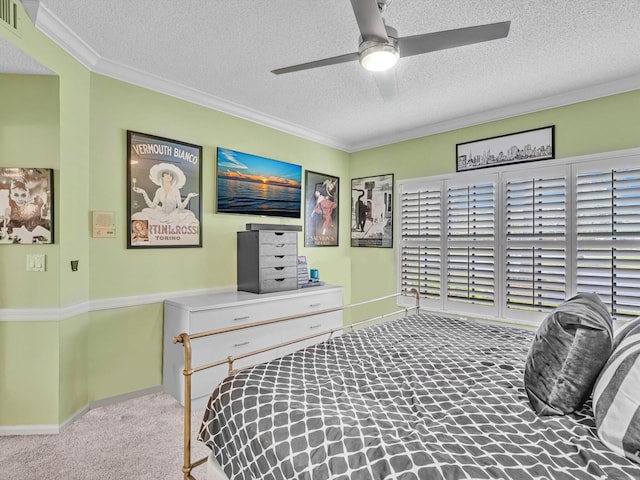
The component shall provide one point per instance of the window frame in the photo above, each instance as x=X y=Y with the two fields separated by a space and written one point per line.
x=570 y=165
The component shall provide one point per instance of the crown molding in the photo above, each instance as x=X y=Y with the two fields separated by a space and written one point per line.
x=31 y=7
x=57 y=31
x=568 y=98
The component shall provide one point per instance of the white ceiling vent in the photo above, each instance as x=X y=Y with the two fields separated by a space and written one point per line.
x=9 y=14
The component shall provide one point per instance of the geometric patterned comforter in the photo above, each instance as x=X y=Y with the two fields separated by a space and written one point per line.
x=422 y=397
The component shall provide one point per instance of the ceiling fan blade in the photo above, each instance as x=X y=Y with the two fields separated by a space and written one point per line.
x=369 y=20
x=387 y=84
x=432 y=42
x=349 y=57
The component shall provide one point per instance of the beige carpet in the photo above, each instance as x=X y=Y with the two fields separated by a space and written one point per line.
x=135 y=439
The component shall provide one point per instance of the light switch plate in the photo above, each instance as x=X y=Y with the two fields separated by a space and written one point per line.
x=36 y=262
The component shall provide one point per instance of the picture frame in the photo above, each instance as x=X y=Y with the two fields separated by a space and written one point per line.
x=158 y=171
x=372 y=211
x=248 y=184
x=321 y=219
x=26 y=206
x=526 y=146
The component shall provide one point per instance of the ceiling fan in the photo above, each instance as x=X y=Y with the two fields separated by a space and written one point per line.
x=381 y=47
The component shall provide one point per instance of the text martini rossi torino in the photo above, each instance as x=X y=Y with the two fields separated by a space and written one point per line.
x=165 y=179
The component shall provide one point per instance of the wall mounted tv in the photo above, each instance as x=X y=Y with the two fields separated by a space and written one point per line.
x=253 y=185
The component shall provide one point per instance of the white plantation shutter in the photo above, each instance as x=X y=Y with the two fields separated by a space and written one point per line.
x=608 y=237
x=421 y=240
x=514 y=242
x=471 y=244
x=535 y=229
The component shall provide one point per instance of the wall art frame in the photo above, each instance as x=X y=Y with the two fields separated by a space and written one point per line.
x=26 y=206
x=248 y=184
x=158 y=171
x=372 y=211
x=321 y=219
x=526 y=146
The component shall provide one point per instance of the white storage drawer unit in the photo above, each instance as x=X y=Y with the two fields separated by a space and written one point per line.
x=201 y=313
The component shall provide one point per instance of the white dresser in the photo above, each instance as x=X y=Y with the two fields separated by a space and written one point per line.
x=200 y=313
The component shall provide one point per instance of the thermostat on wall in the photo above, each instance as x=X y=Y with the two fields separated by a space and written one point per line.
x=104 y=224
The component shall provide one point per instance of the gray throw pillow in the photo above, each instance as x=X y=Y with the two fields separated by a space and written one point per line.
x=620 y=334
x=616 y=398
x=570 y=348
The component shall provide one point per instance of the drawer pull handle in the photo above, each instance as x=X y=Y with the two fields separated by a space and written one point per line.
x=279 y=279
x=315 y=305
x=315 y=326
x=279 y=268
x=278 y=245
x=278 y=233
x=279 y=256
x=237 y=319
x=241 y=344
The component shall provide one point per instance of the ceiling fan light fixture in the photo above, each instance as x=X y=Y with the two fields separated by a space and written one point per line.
x=379 y=57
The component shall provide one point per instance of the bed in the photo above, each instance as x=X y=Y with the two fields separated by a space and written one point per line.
x=426 y=396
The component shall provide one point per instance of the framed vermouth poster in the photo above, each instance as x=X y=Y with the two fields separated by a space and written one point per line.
x=164 y=179
x=372 y=211
x=321 y=214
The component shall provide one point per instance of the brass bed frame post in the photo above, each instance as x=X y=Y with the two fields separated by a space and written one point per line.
x=187 y=372
x=416 y=293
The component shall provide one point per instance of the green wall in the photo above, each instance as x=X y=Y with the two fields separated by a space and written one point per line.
x=601 y=125
x=76 y=122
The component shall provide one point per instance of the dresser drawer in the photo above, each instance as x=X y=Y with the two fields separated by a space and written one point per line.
x=217 y=347
x=269 y=249
x=315 y=302
x=303 y=327
x=218 y=318
x=278 y=284
x=277 y=272
x=268 y=237
x=212 y=349
x=278 y=260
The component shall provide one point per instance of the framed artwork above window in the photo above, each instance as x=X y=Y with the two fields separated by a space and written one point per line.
x=527 y=146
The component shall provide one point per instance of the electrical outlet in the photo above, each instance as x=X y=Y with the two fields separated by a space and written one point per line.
x=36 y=262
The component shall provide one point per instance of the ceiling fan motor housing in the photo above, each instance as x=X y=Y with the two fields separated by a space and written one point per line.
x=378 y=56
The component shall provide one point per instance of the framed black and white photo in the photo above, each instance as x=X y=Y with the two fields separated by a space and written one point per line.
x=527 y=146
x=164 y=180
x=26 y=205
x=372 y=211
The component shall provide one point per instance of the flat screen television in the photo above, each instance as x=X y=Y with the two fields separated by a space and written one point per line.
x=253 y=185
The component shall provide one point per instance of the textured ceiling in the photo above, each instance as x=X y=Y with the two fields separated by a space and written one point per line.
x=220 y=54
x=14 y=60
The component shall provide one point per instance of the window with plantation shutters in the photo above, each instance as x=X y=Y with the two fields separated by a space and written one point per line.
x=535 y=248
x=514 y=242
x=470 y=271
x=420 y=257
x=608 y=237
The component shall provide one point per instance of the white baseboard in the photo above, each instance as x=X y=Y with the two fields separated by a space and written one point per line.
x=53 y=429
x=125 y=396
